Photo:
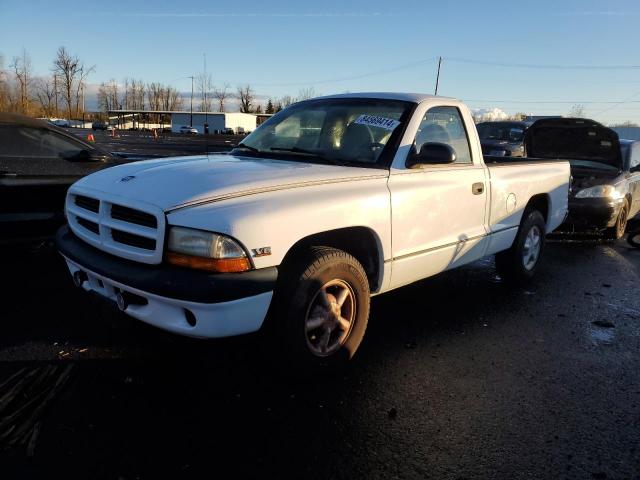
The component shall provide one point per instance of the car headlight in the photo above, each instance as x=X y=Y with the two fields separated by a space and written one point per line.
x=600 y=191
x=191 y=248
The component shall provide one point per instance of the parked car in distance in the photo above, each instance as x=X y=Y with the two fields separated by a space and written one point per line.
x=61 y=122
x=188 y=130
x=605 y=190
x=38 y=163
x=101 y=126
x=502 y=139
x=228 y=131
x=328 y=202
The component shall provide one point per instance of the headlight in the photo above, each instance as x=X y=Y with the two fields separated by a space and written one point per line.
x=600 y=191
x=202 y=250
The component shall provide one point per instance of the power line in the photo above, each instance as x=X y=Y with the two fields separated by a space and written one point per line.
x=542 y=66
x=626 y=100
x=347 y=78
x=559 y=102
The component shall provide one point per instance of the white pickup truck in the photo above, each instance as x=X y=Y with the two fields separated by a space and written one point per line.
x=330 y=201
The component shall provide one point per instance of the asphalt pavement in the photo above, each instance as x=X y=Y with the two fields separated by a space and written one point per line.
x=459 y=377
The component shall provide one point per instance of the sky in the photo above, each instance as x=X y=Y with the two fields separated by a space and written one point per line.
x=537 y=57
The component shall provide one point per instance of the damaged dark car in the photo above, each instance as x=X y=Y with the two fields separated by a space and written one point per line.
x=38 y=163
x=605 y=189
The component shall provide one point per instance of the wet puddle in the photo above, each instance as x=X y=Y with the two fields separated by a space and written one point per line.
x=602 y=336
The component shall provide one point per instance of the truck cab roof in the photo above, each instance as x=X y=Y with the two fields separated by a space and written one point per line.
x=407 y=97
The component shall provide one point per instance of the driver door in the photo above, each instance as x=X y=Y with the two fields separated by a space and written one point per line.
x=439 y=210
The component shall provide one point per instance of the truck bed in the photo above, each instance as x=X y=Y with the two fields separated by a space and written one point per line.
x=495 y=160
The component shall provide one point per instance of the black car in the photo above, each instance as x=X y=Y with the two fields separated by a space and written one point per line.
x=38 y=163
x=502 y=139
x=605 y=190
x=101 y=126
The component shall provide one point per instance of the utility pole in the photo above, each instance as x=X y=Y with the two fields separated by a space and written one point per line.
x=55 y=91
x=205 y=88
x=191 y=116
x=82 y=87
x=438 y=76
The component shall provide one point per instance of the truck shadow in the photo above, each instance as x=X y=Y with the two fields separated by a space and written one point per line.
x=145 y=403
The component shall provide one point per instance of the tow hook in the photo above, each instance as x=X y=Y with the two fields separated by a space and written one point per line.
x=124 y=299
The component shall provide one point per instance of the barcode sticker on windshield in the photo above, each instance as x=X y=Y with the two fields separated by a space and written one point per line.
x=374 y=121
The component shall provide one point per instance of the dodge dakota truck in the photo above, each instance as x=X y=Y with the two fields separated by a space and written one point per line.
x=327 y=203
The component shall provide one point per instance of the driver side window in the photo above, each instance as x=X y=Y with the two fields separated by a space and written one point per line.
x=27 y=142
x=445 y=125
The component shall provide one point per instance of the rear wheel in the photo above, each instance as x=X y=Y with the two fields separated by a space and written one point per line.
x=519 y=264
x=322 y=308
x=617 y=231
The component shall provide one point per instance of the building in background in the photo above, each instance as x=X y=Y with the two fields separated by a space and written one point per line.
x=218 y=122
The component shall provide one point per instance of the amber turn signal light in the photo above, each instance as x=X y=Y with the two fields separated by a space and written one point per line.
x=221 y=265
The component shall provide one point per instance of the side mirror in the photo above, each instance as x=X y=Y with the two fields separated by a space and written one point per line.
x=432 y=153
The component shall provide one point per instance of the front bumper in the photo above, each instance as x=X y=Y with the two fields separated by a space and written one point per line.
x=587 y=214
x=186 y=302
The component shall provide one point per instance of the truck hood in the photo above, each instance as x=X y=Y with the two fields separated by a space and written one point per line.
x=573 y=139
x=172 y=183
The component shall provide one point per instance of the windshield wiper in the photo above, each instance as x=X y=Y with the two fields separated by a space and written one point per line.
x=295 y=150
x=306 y=152
x=247 y=147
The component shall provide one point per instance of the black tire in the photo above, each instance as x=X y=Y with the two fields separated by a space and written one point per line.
x=618 y=230
x=634 y=238
x=511 y=263
x=300 y=289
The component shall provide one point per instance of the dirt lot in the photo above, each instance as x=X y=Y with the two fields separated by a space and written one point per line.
x=459 y=377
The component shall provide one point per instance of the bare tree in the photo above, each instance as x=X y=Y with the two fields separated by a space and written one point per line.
x=577 y=111
x=245 y=95
x=5 y=94
x=221 y=95
x=134 y=94
x=286 y=101
x=204 y=82
x=108 y=98
x=307 y=93
x=171 y=99
x=72 y=75
x=154 y=95
x=21 y=67
x=46 y=95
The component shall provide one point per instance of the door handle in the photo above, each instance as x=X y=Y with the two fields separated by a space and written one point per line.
x=477 y=188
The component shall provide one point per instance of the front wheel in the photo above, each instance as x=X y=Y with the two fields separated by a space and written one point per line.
x=617 y=231
x=519 y=264
x=322 y=308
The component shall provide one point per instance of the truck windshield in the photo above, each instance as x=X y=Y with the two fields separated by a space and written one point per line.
x=334 y=130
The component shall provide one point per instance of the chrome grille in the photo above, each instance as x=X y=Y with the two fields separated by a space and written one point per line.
x=135 y=232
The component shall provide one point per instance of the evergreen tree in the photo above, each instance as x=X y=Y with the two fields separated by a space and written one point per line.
x=270 y=109
x=259 y=109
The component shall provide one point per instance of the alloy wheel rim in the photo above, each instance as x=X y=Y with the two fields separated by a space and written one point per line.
x=622 y=222
x=330 y=318
x=532 y=246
